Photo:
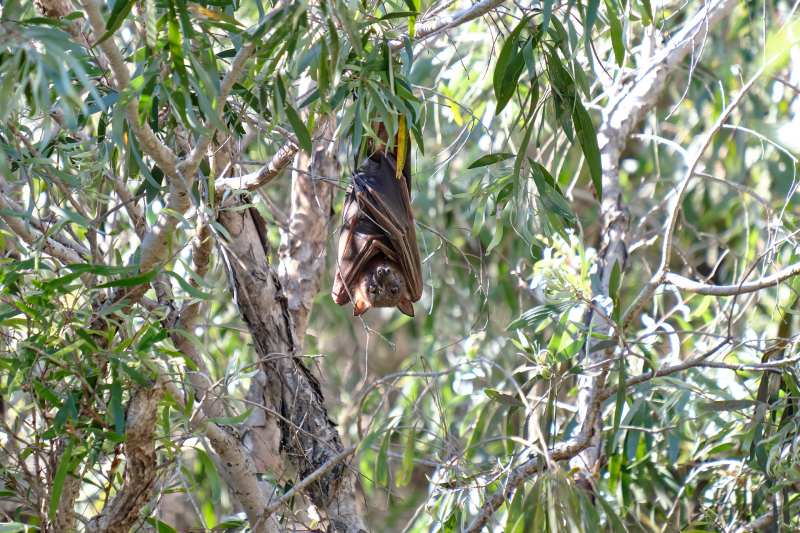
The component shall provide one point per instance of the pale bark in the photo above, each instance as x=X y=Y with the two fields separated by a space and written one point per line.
x=743 y=287
x=292 y=421
x=262 y=176
x=237 y=465
x=120 y=514
x=303 y=246
x=620 y=116
x=54 y=8
x=436 y=25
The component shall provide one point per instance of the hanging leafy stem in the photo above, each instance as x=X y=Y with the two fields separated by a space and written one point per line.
x=377 y=82
x=517 y=72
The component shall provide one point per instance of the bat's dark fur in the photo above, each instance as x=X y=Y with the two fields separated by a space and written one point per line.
x=378 y=263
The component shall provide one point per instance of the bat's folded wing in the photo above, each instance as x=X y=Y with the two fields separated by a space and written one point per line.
x=360 y=239
x=386 y=202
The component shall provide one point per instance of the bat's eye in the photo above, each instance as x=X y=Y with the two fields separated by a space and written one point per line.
x=372 y=289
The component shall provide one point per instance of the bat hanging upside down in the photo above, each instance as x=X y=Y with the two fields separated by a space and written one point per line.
x=378 y=263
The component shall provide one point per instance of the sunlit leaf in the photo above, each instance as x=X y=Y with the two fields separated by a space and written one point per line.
x=299 y=127
x=121 y=10
x=490 y=159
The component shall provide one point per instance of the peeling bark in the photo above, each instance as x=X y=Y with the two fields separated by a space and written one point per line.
x=54 y=8
x=293 y=422
x=303 y=246
x=119 y=515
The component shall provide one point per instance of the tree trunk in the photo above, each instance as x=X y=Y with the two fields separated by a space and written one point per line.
x=289 y=418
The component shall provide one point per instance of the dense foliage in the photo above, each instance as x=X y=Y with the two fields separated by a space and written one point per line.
x=605 y=195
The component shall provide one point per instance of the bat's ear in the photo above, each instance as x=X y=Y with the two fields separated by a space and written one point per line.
x=360 y=306
x=406 y=307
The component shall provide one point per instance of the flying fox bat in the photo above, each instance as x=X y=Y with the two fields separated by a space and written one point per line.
x=378 y=263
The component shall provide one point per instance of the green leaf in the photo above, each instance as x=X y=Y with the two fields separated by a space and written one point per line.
x=153 y=335
x=150 y=23
x=621 y=392
x=478 y=431
x=532 y=318
x=398 y=15
x=232 y=420
x=175 y=42
x=508 y=69
x=101 y=270
x=193 y=291
x=13 y=9
x=564 y=92
x=12 y=527
x=161 y=527
x=502 y=397
x=45 y=393
x=526 y=139
x=300 y=130
x=497 y=238
x=647 y=13
x=613 y=290
x=140 y=279
x=591 y=16
x=345 y=16
x=323 y=68
x=552 y=198
x=121 y=10
x=547 y=11
x=64 y=468
x=451 y=524
x=587 y=136
x=211 y=474
x=186 y=25
x=382 y=461
x=725 y=405
x=515 y=519
x=367 y=442
x=490 y=159
x=615 y=28
x=117 y=411
x=407 y=467
x=613 y=520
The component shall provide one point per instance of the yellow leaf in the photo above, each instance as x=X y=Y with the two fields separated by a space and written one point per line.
x=402 y=146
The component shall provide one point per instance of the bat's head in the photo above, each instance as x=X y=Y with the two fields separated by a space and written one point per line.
x=381 y=284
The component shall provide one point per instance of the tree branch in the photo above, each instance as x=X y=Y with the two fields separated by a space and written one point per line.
x=619 y=116
x=152 y=145
x=436 y=25
x=303 y=245
x=665 y=371
x=284 y=385
x=119 y=514
x=311 y=478
x=744 y=287
x=262 y=176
